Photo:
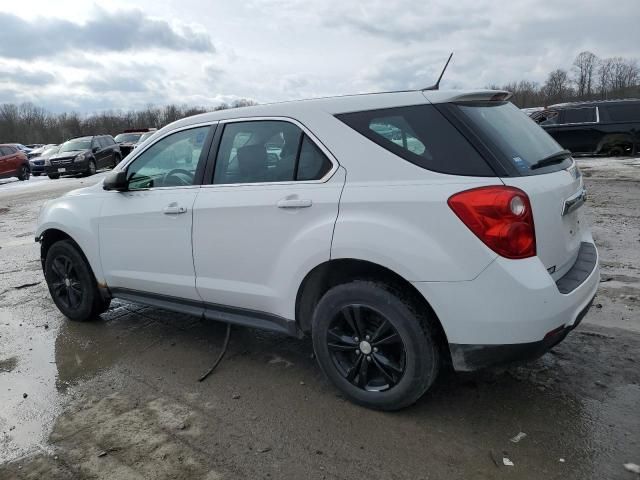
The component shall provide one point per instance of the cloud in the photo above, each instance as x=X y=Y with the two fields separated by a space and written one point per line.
x=21 y=76
x=117 y=31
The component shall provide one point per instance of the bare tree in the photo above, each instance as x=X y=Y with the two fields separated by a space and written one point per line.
x=584 y=67
x=557 y=87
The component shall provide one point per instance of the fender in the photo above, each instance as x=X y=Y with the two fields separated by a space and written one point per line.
x=78 y=220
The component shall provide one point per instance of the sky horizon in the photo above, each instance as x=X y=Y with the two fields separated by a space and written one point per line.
x=71 y=55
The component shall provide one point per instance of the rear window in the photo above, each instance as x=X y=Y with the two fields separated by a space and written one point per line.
x=421 y=135
x=512 y=135
x=624 y=113
x=579 y=115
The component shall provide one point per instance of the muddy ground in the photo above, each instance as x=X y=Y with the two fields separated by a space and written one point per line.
x=118 y=398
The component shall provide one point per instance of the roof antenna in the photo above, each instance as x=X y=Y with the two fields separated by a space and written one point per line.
x=437 y=84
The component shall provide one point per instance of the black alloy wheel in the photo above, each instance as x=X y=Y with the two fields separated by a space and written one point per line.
x=66 y=287
x=71 y=282
x=375 y=344
x=365 y=348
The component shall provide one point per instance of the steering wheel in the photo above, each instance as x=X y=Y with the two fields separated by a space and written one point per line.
x=181 y=181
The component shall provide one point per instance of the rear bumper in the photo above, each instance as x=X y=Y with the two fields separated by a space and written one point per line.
x=466 y=358
x=513 y=310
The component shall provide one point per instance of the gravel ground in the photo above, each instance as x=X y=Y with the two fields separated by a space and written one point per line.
x=118 y=398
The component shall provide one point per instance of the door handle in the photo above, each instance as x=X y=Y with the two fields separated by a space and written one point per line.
x=174 y=209
x=294 y=203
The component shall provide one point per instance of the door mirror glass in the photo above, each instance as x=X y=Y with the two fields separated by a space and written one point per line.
x=116 y=181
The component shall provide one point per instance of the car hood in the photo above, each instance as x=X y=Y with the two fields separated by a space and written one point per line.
x=71 y=153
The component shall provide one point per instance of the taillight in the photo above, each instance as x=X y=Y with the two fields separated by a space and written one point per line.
x=499 y=216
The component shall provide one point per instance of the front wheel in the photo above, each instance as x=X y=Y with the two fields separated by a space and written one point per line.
x=91 y=169
x=24 y=173
x=71 y=282
x=374 y=346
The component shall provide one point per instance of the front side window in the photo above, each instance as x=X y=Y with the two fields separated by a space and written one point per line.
x=170 y=162
x=267 y=151
x=548 y=117
x=579 y=115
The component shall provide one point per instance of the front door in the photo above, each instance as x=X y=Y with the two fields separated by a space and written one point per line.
x=145 y=232
x=267 y=218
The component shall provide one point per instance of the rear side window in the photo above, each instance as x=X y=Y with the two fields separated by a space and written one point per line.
x=624 y=113
x=579 y=115
x=421 y=135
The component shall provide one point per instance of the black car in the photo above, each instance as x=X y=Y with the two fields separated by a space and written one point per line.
x=129 y=138
x=84 y=155
x=606 y=127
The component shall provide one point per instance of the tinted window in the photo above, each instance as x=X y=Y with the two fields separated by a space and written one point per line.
x=511 y=133
x=624 y=113
x=108 y=140
x=421 y=135
x=312 y=164
x=260 y=151
x=548 y=117
x=579 y=115
x=170 y=162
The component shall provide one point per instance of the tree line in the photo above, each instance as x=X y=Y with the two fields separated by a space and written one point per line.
x=26 y=123
x=588 y=78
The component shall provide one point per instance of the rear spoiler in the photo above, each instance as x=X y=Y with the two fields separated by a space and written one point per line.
x=436 y=96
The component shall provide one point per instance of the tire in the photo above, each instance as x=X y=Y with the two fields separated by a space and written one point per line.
x=91 y=168
x=116 y=160
x=54 y=176
x=71 y=283
x=408 y=360
x=24 y=173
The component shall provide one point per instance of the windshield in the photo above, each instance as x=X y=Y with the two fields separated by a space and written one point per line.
x=50 y=151
x=514 y=134
x=128 y=137
x=144 y=136
x=77 y=144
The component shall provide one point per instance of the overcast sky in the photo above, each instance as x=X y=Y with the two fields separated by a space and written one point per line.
x=84 y=56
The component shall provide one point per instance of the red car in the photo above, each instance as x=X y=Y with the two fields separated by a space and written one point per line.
x=13 y=163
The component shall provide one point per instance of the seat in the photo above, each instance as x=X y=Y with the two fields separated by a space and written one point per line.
x=252 y=164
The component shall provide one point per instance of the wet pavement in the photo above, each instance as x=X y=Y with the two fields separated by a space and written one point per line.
x=119 y=398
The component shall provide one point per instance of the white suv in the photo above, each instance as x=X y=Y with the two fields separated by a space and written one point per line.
x=400 y=230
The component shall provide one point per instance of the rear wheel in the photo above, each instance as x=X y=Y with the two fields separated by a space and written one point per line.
x=71 y=282
x=24 y=173
x=374 y=346
x=54 y=176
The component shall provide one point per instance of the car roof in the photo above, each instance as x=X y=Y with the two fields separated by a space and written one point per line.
x=343 y=104
x=595 y=103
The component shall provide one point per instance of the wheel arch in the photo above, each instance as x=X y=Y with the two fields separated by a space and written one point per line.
x=339 y=271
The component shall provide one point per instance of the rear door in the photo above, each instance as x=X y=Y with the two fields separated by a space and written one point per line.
x=520 y=143
x=267 y=217
x=578 y=129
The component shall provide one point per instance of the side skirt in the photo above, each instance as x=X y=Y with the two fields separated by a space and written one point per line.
x=212 y=311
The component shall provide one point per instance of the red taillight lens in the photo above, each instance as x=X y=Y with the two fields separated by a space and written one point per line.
x=499 y=216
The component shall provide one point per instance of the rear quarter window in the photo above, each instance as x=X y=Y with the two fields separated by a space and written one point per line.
x=623 y=113
x=420 y=134
x=579 y=115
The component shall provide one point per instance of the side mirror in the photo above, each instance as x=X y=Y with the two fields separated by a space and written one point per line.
x=116 y=181
x=95 y=149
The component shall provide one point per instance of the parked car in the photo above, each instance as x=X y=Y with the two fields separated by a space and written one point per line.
x=39 y=162
x=24 y=149
x=129 y=138
x=84 y=155
x=13 y=162
x=608 y=127
x=399 y=230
